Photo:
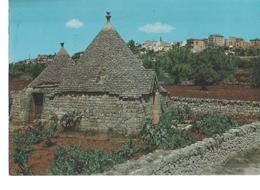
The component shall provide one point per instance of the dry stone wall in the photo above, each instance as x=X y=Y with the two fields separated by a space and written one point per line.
x=101 y=112
x=199 y=158
x=20 y=105
x=227 y=107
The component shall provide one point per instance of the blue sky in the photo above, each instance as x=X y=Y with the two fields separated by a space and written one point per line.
x=37 y=26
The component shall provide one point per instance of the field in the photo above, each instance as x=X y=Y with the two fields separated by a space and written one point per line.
x=229 y=92
x=41 y=157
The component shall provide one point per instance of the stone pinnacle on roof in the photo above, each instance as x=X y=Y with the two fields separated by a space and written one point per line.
x=62 y=51
x=53 y=73
x=108 y=16
x=108 y=25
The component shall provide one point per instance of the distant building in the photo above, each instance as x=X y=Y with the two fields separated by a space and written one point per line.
x=156 y=46
x=206 y=42
x=255 y=42
x=43 y=58
x=183 y=43
x=236 y=42
x=196 y=45
x=216 y=40
x=39 y=59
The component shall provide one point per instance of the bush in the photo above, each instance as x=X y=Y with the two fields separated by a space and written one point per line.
x=213 y=66
x=51 y=131
x=20 y=155
x=30 y=135
x=70 y=121
x=164 y=134
x=72 y=161
x=19 y=70
x=212 y=124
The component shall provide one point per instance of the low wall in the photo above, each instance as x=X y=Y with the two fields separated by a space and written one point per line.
x=227 y=107
x=199 y=158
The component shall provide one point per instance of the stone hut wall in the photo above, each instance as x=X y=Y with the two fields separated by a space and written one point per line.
x=16 y=106
x=21 y=102
x=20 y=105
x=101 y=112
x=203 y=157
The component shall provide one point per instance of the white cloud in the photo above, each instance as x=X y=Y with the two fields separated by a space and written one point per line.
x=156 y=28
x=74 y=23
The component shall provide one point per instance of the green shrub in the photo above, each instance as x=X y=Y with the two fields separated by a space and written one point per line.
x=72 y=161
x=50 y=132
x=20 y=155
x=70 y=121
x=214 y=123
x=177 y=138
x=18 y=137
x=164 y=134
x=34 y=133
x=28 y=136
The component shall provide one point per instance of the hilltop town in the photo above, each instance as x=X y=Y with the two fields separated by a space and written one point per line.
x=196 y=45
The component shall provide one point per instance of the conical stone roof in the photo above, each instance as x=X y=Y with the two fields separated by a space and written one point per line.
x=53 y=73
x=109 y=66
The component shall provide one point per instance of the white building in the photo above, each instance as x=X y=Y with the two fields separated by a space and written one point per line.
x=156 y=46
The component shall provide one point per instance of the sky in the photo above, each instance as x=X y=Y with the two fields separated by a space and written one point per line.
x=38 y=26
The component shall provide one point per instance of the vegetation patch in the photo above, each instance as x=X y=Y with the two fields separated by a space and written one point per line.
x=211 y=124
x=72 y=161
x=70 y=121
x=166 y=134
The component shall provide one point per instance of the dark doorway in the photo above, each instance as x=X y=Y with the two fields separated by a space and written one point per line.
x=36 y=106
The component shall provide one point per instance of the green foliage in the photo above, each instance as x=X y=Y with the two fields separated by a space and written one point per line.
x=246 y=51
x=177 y=138
x=72 y=161
x=76 y=56
x=70 y=120
x=176 y=63
x=22 y=139
x=51 y=131
x=255 y=79
x=19 y=70
x=20 y=155
x=30 y=135
x=212 y=66
x=131 y=44
x=211 y=124
x=164 y=134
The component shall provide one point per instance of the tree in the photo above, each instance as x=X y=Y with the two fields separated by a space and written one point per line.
x=133 y=47
x=178 y=63
x=18 y=70
x=212 y=66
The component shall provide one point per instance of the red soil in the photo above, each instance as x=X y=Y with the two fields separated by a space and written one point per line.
x=229 y=92
x=42 y=156
x=16 y=85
